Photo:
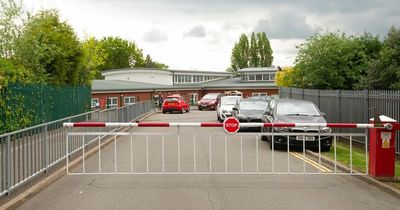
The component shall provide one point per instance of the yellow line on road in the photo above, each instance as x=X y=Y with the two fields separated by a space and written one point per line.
x=312 y=162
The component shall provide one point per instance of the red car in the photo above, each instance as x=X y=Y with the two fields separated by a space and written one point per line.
x=175 y=103
x=209 y=101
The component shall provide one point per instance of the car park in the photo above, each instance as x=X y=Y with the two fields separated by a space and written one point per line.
x=225 y=105
x=250 y=110
x=297 y=111
x=174 y=103
x=209 y=101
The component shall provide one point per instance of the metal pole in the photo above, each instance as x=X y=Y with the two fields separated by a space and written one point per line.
x=8 y=166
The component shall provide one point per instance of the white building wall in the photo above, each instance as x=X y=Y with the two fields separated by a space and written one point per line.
x=148 y=76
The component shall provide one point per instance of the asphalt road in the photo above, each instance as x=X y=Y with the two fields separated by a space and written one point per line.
x=204 y=191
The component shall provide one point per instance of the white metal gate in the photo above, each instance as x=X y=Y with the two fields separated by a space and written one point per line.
x=179 y=152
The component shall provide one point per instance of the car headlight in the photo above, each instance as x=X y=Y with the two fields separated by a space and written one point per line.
x=282 y=129
x=326 y=130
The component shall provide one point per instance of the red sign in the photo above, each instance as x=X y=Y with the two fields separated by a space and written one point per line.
x=231 y=125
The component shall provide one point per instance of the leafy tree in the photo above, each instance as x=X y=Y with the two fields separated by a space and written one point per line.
x=384 y=72
x=121 y=53
x=94 y=57
x=258 y=54
x=330 y=61
x=240 y=54
x=284 y=78
x=51 y=49
x=10 y=15
x=254 y=51
x=265 y=50
x=149 y=63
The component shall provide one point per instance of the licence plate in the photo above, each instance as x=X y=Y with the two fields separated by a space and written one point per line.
x=307 y=138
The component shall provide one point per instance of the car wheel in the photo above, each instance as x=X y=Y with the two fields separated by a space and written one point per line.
x=219 y=118
x=264 y=138
x=181 y=111
x=276 y=146
x=188 y=109
x=326 y=149
x=199 y=108
x=164 y=112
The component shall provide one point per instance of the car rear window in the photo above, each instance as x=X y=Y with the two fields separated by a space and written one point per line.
x=210 y=96
x=172 y=99
x=253 y=105
x=297 y=108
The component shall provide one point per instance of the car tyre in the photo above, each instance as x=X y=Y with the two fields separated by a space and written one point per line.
x=188 y=109
x=264 y=138
x=276 y=146
x=164 y=112
x=326 y=149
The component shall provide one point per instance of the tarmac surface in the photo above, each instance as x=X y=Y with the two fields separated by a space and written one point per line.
x=203 y=191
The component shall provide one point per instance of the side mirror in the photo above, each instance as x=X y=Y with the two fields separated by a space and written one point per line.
x=267 y=112
x=323 y=114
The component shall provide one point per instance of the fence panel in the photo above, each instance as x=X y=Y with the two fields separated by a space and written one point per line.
x=28 y=152
x=351 y=105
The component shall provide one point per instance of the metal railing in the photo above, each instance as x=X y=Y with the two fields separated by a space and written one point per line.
x=28 y=152
x=180 y=152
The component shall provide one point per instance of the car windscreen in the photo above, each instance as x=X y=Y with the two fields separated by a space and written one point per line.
x=229 y=101
x=210 y=96
x=172 y=99
x=253 y=105
x=297 y=108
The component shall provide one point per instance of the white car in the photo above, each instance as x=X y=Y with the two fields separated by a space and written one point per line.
x=224 y=108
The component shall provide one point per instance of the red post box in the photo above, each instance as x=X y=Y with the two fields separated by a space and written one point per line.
x=382 y=151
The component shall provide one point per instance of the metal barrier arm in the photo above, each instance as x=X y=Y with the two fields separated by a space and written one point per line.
x=388 y=126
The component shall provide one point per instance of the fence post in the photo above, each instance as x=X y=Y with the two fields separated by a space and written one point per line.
x=45 y=149
x=366 y=105
x=290 y=92
x=338 y=106
x=8 y=166
x=317 y=97
x=302 y=94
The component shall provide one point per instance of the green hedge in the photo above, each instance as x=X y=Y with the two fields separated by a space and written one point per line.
x=23 y=106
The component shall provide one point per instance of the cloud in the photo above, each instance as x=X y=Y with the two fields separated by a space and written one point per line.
x=286 y=25
x=197 y=31
x=154 y=36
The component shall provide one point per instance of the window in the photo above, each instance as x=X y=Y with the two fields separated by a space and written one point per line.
x=259 y=94
x=112 y=102
x=188 y=78
x=266 y=77
x=251 y=77
x=129 y=100
x=272 y=77
x=258 y=77
x=95 y=103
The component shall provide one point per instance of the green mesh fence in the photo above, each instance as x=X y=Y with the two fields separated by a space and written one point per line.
x=24 y=106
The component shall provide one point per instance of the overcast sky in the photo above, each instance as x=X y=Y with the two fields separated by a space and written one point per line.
x=200 y=34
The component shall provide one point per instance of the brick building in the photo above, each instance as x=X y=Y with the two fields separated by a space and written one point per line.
x=126 y=86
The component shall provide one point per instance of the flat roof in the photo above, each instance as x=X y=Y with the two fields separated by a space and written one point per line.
x=259 y=69
x=167 y=71
x=126 y=86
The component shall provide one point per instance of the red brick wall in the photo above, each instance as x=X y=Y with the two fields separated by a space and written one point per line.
x=145 y=96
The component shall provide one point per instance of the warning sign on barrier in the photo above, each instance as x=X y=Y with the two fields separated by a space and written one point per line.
x=386 y=136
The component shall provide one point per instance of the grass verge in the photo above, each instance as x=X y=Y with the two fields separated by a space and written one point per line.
x=358 y=157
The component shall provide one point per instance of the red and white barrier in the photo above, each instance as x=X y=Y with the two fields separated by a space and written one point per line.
x=216 y=124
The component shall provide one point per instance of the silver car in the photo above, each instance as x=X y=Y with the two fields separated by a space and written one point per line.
x=224 y=108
